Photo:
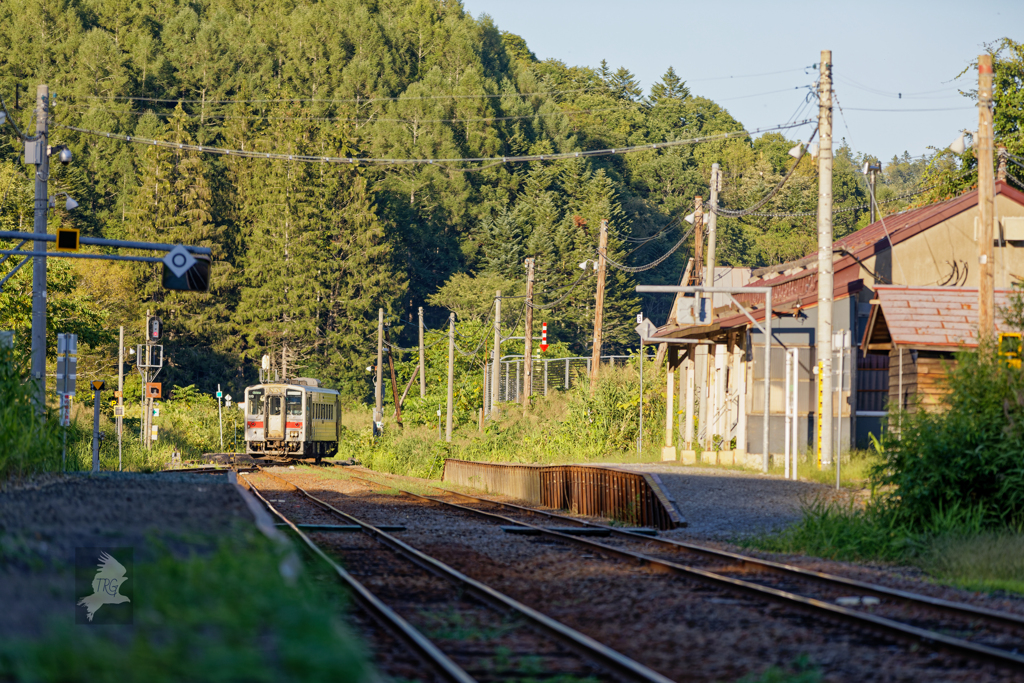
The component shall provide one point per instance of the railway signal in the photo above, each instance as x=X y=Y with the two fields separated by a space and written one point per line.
x=154 y=329
x=194 y=278
x=543 y=337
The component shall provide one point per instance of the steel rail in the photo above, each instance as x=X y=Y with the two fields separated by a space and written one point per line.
x=948 y=606
x=814 y=606
x=387 y=617
x=582 y=644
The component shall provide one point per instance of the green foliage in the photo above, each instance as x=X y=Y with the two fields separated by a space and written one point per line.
x=189 y=627
x=31 y=443
x=969 y=456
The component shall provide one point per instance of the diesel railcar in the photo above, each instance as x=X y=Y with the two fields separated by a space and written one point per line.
x=292 y=419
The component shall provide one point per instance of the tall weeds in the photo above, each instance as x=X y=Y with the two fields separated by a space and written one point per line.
x=29 y=442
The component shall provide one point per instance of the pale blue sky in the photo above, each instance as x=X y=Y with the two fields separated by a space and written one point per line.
x=914 y=48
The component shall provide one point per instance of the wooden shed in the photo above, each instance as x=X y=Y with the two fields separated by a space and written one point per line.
x=920 y=329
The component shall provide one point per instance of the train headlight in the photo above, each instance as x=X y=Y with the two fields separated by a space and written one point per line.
x=294 y=435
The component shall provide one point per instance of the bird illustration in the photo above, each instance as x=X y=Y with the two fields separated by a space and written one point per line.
x=106 y=586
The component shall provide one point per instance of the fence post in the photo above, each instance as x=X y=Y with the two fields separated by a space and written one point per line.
x=545 y=377
x=567 y=373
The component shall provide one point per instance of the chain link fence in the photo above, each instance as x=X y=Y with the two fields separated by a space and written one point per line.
x=549 y=374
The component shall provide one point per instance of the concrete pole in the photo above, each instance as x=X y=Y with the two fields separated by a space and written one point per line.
x=670 y=393
x=709 y=280
x=767 y=377
x=986 y=201
x=690 y=367
x=39 y=263
x=595 y=356
x=495 y=363
x=120 y=393
x=528 y=351
x=220 y=418
x=825 y=286
x=378 y=390
x=423 y=364
x=451 y=378
x=96 y=431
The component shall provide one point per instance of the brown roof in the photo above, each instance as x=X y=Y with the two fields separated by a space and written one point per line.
x=929 y=317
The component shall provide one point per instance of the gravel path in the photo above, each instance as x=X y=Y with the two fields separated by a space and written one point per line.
x=725 y=504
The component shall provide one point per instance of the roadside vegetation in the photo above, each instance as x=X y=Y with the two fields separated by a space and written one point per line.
x=189 y=624
x=947 y=492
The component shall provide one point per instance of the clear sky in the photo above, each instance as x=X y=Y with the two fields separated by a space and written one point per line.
x=879 y=50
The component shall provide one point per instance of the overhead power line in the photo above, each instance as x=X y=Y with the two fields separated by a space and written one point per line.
x=351 y=100
x=764 y=200
x=358 y=161
x=653 y=264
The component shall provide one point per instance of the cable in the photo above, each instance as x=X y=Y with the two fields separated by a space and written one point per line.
x=14 y=124
x=764 y=200
x=911 y=110
x=559 y=300
x=652 y=264
x=892 y=247
x=392 y=162
x=256 y=117
x=357 y=100
x=769 y=73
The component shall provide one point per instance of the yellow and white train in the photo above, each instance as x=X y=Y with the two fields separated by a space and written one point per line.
x=292 y=419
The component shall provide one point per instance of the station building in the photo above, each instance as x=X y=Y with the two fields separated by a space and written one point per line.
x=905 y=288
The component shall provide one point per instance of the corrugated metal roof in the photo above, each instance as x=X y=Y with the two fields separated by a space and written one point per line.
x=934 y=316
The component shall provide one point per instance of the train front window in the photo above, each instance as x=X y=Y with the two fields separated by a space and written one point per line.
x=256 y=402
x=294 y=401
x=274 y=402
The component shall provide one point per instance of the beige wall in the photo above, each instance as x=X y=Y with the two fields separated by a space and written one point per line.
x=921 y=261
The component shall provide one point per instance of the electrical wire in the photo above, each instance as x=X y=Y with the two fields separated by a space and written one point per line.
x=559 y=300
x=14 y=124
x=356 y=100
x=764 y=200
x=358 y=161
x=769 y=73
x=256 y=117
x=653 y=264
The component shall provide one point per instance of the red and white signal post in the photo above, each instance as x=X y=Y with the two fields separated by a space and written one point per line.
x=544 y=337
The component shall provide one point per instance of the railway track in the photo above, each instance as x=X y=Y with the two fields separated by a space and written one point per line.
x=507 y=641
x=958 y=628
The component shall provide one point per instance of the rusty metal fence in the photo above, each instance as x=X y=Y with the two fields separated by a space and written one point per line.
x=632 y=498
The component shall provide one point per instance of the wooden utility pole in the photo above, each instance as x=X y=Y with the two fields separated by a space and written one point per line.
x=709 y=277
x=824 y=346
x=423 y=364
x=986 y=201
x=595 y=357
x=1001 y=172
x=378 y=390
x=528 y=341
x=495 y=363
x=451 y=378
x=394 y=384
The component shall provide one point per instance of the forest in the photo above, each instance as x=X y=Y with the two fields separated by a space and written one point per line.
x=305 y=253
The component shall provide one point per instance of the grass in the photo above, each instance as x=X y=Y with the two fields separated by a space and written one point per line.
x=224 y=617
x=985 y=562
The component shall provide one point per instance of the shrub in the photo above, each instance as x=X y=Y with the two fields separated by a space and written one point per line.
x=29 y=442
x=969 y=457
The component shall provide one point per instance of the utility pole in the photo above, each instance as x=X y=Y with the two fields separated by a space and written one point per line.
x=394 y=383
x=496 y=364
x=698 y=239
x=451 y=378
x=1001 y=173
x=423 y=365
x=528 y=351
x=709 y=276
x=824 y=257
x=378 y=390
x=871 y=169
x=986 y=201
x=595 y=357
x=42 y=163
x=284 y=365
x=120 y=393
